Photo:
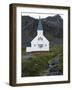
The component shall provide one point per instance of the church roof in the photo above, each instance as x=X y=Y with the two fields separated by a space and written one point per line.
x=39 y=25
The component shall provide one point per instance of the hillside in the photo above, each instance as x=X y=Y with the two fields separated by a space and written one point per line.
x=50 y=63
x=52 y=28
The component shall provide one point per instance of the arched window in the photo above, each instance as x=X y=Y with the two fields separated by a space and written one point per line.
x=40 y=38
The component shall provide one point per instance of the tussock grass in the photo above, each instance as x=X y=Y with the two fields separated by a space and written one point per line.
x=35 y=65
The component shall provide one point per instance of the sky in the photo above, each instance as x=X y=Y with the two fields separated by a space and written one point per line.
x=36 y=15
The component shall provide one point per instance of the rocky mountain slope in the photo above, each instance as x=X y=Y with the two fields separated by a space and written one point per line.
x=52 y=28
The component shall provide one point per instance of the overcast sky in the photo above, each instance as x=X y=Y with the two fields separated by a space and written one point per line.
x=42 y=15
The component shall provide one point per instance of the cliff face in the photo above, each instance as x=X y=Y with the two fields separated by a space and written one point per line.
x=29 y=28
x=52 y=28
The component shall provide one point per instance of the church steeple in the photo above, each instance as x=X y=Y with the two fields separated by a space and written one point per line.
x=39 y=28
x=39 y=25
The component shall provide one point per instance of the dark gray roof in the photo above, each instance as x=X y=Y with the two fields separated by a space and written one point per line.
x=39 y=25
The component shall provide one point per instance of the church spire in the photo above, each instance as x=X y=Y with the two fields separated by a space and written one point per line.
x=39 y=25
x=39 y=28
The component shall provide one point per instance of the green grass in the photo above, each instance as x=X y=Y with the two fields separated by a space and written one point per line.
x=34 y=65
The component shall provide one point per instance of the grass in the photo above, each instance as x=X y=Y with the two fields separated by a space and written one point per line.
x=35 y=65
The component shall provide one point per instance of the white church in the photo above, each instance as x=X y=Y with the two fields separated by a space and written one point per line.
x=39 y=43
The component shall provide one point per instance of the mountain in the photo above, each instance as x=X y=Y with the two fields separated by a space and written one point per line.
x=29 y=28
x=52 y=28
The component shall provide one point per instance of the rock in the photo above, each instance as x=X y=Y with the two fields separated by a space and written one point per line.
x=52 y=27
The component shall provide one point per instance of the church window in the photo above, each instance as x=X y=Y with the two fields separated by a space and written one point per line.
x=34 y=45
x=40 y=45
x=40 y=38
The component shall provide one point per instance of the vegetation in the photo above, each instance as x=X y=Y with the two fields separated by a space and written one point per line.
x=36 y=64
